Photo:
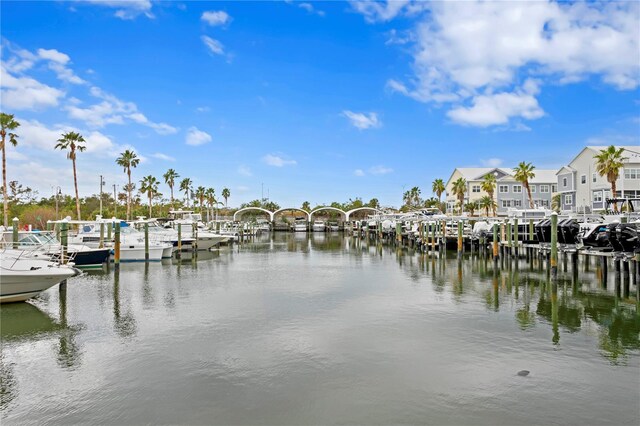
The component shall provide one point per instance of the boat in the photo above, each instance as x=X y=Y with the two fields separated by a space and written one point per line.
x=300 y=225
x=83 y=256
x=627 y=237
x=593 y=236
x=568 y=230
x=24 y=276
x=333 y=226
x=159 y=233
x=191 y=226
x=318 y=226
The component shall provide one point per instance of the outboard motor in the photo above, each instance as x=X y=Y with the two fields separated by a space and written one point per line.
x=627 y=237
x=567 y=231
x=613 y=238
x=543 y=231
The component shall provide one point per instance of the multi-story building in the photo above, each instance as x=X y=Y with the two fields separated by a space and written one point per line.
x=582 y=189
x=474 y=177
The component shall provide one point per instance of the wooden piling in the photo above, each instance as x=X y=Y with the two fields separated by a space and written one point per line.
x=530 y=229
x=554 y=245
x=459 y=239
x=109 y=231
x=15 y=226
x=515 y=237
x=64 y=241
x=116 y=245
x=179 y=238
x=432 y=226
x=101 y=244
x=495 y=242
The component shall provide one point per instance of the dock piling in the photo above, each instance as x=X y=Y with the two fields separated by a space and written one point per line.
x=116 y=248
x=15 y=223
x=146 y=241
x=554 y=245
x=64 y=240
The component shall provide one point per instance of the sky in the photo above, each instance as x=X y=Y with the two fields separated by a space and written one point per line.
x=314 y=101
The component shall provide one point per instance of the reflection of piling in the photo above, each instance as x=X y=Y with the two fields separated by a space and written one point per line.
x=146 y=241
x=459 y=239
x=554 y=245
x=604 y=265
x=116 y=248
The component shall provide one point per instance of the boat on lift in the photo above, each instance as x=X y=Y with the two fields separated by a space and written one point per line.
x=300 y=225
x=319 y=226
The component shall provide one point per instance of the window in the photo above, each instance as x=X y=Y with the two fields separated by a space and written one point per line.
x=597 y=197
x=568 y=199
x=533 y=189
x=593 y=178
x=506 y=203
x=503 y=189
x=554 y=188
x=632 y=173
x=475 y=188
x=517 y=203
x=543 y=203
x=583 y=179
x=517 y=188
x=564 y=182
x=544 y=188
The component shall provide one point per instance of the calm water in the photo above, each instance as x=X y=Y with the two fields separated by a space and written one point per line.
x=322 y=331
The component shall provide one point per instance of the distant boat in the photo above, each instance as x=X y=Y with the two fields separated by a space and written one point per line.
x=319 y=226
x=300 y=225
x=334 y=226
x=24 y=277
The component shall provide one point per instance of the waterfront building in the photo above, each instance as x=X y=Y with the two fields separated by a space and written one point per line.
x=582 y=189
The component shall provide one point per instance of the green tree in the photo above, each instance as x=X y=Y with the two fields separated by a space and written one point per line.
x=374 y=203
x=487 y=203
x=438 y=188
x=73 y=142
x=306 y=206
x=471 y=207
x=556 y=202
x=608 y=164
x=523 y=174
x=149 y=186
x=127 y=160
x=200 y=195
x=7 y=127
x=186 y=185
x=489 y=186
x=459 y=189
x=170 y=179
x=210 y=195
x=226 y=194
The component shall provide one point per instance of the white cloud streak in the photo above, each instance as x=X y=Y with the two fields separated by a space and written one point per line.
x=213 y=45
x=363 y=120
x=196 y=137
x=277 y=161
x=216 y=18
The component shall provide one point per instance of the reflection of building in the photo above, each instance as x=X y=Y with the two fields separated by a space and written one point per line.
x=580 y=186
x=508 y=192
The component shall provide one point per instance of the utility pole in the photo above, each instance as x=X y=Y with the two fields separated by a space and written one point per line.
x=101 y=183
x=115 y=201
x=57 y=193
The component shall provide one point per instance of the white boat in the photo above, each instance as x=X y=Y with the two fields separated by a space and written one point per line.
x=158 y=233
x=334 y=226
x=23 y=277
x=300 y=225
x=319 y=226
x=187 y=219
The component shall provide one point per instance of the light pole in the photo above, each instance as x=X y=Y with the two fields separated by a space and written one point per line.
x=57 y=194
x=101 y=184
x=115 y=201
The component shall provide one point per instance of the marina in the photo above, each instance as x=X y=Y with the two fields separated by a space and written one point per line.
x=375 y=334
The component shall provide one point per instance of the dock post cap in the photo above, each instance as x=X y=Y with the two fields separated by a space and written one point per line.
x=15 y=219
x=554 y=213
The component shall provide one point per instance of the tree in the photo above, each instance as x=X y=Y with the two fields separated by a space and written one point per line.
x=459 y=189
x=7 y=125
x=523 y=173
x=438 y=188
x=415 y=196
x=226 y=194
x=487 y=203
x=210 y=195
x=127 y=160
x=186 y=185
x=200 y=195
x=489 y=185
x=608 y=164
x=149 y=186
x=73 y=142
x=170 y=179
x=374 y=203
x=306 y=206
x=556 y=203
x=471 y=207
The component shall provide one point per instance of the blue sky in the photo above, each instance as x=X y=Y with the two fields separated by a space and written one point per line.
x=318 y=101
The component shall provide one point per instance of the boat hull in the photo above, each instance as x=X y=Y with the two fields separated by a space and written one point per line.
x=18 y=286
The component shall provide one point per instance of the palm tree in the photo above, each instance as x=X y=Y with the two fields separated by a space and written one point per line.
x=459 y=189
x=170 y=179
x=127 y=160
x=608 y=164
x=210 y=195
x=471 y=207
x=200 y=194
x=73 y=142
x=7 y=123
x=487 y=203
x=149 y=185
x=415 y=196
x=226 y=194
x=556 y=202
x=438 y=188
x=186 y=186
x=406 y=198
x=523 y=173
x=488 y=185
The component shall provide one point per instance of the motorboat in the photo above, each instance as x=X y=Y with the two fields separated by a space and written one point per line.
x=568 y=230
x=191 y=226
x=300 y=225
x=24 y=276
x=333 y=226
x=132 y=244
x=593 y=236
x=627 y=237
x=159 y=233
x=82 y=255
x=318 y=226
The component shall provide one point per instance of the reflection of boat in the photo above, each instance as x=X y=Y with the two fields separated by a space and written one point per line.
x=23 y=277
x=318 y=226
x=300 y=225
x=23 y=320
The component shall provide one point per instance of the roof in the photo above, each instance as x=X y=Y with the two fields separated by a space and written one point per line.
x=474 y=173
x=541 y=176
x=632 y=152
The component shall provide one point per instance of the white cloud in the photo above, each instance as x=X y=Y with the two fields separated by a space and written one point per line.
x=374 y=11
x=380 y=170
x=129 y=9
x=54 y=56
x=20 y=93
x=363 y=120
x=358 y=172
x=277 y=161
x=163 y=157
x=491 y=162
x=309 y=8
x=214 y=46
x=114 y=111
x=197 y=137
x=479 y=52
x=203 y=109
x=244 y=170
x=216 y=17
